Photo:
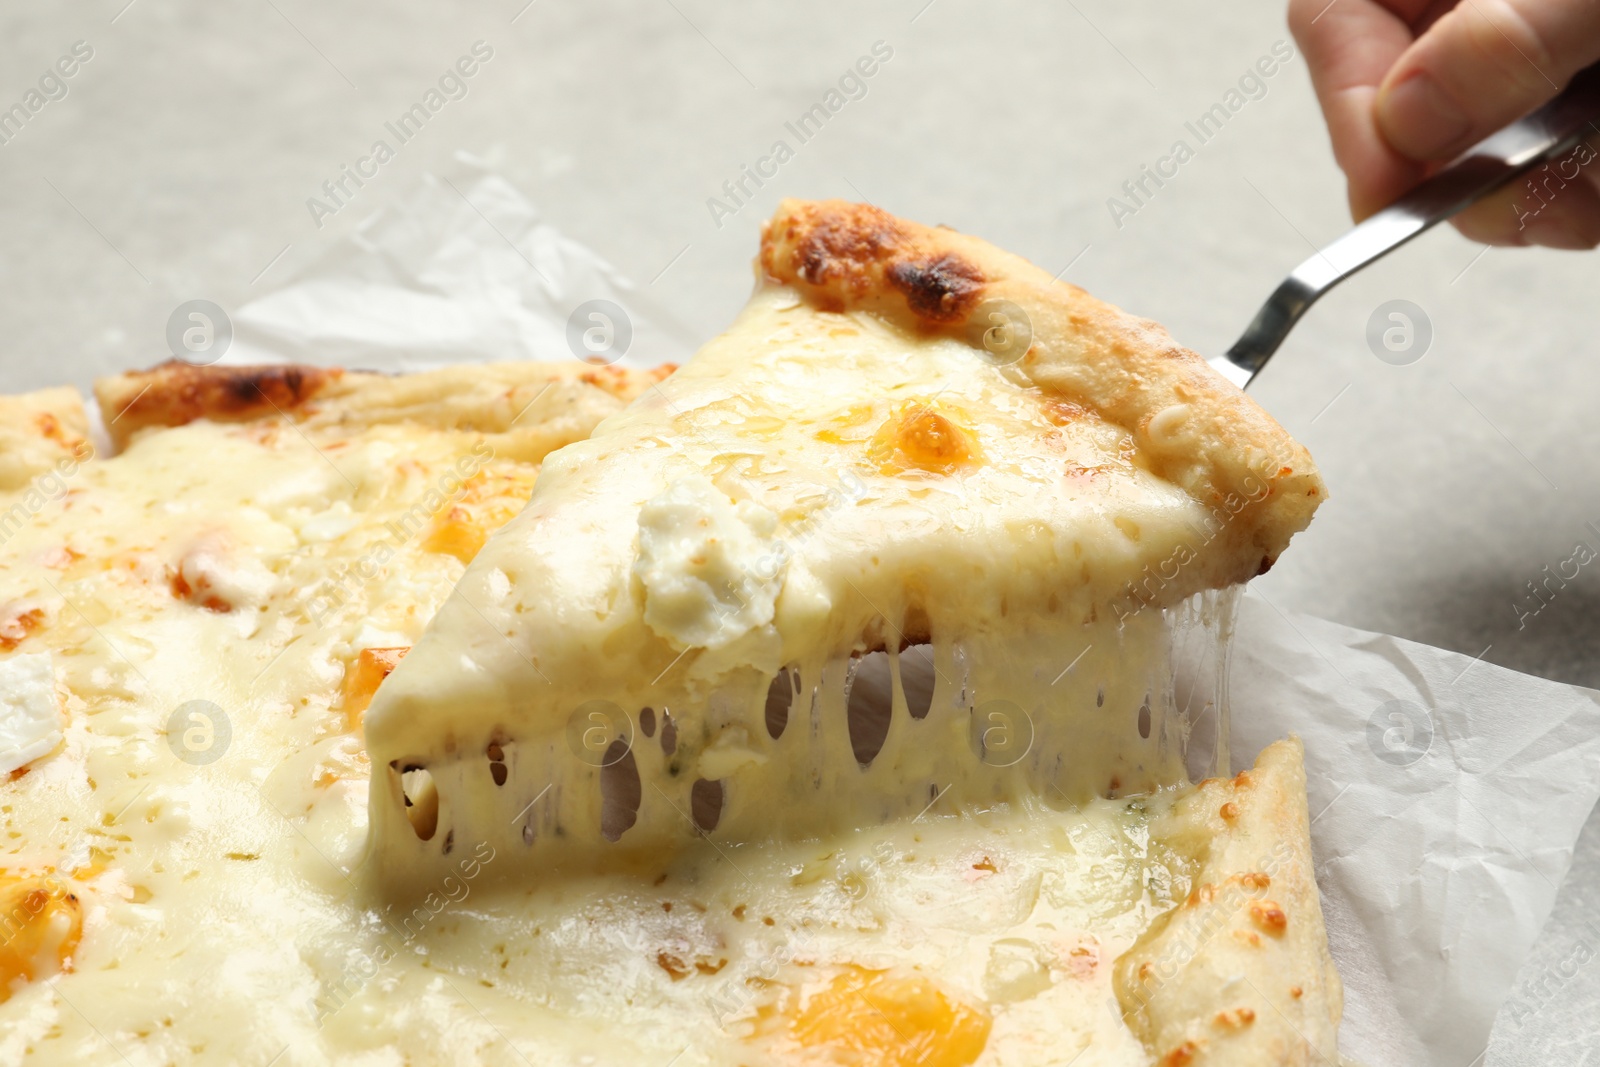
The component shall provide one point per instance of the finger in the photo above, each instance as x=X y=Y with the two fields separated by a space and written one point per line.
x=1349 y=47
x=1557 y=206
x=1480 y=66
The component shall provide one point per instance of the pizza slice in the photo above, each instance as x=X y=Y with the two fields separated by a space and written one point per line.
x=908 y=437
x=887 y=576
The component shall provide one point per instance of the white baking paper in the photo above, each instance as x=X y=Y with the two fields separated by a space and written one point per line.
x=462 y=270
x=1446 y=795
x=1439 y=843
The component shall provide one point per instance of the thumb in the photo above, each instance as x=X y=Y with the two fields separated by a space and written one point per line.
x=1484 y=64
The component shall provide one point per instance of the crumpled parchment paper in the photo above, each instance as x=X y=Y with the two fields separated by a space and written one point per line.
x=1446 y=797
x=462 y=270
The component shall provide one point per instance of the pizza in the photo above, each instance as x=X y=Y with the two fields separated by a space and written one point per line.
x=907 y=439
x=811 y=704
x=191 y=624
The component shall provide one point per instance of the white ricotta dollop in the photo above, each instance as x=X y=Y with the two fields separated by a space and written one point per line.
x=711 y=568
x=30 y=710
x=224 y=576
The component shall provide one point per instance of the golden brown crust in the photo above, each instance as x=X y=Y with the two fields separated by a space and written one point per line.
x=175 y=393
x=1205 y=434
x=1238 y=975
x=854 y=255
x=491 y=398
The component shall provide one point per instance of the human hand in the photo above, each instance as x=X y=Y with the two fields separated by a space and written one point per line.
x=1407 y=84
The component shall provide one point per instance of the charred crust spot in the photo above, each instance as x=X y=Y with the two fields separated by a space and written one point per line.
x=852 y=252
x=812 y=262
x=824 y=244
x=839 y=245
x=178 y=393
x=1266 y=565
x=283 y=387
x=942 y=291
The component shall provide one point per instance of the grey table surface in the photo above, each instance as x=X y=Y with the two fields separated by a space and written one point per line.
x=181 y=159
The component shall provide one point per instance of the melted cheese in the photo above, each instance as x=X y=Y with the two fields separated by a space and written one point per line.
x=240 y=574
x=811 y=486
x=41 y=922
x=982 y=940
x=701 y=565
x=30 y=710
x=215 y=911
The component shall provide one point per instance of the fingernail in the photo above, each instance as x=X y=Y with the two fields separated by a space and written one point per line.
x=1574 y=229
x=1420 y=119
